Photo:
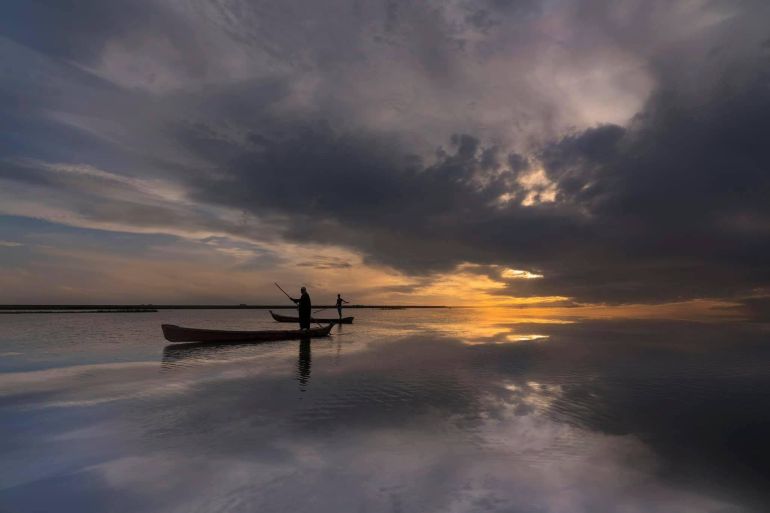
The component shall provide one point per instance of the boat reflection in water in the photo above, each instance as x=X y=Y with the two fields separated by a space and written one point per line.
x=194 y=353
x=183 y=355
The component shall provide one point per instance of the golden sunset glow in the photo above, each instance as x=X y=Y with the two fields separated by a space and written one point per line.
x=518 y=274
x=191 y=271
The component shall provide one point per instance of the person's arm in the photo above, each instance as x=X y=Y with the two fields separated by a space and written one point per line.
x=344 y=301
x=295 y=300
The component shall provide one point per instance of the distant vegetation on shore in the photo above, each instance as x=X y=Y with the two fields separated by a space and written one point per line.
x=155 y=308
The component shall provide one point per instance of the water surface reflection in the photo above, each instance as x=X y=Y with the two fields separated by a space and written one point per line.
x=604 y=416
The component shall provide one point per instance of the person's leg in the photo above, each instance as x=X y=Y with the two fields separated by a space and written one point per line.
x=339 y=311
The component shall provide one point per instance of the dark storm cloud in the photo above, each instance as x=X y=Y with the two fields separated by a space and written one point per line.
x=675 y=206
x=361 y=192
x=321 y=119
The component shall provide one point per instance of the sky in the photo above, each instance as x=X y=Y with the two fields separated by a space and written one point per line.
x=601 y=157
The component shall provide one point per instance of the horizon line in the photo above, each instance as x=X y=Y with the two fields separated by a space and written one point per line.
x=245 y=306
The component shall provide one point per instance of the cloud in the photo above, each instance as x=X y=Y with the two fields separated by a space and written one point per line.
x=669 y=207
x=616 y=149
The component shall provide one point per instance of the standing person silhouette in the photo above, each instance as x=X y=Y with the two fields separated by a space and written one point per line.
x=304 y=309
x=339 y=305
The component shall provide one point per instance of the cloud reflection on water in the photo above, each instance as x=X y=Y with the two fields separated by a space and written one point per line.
x=421 y=423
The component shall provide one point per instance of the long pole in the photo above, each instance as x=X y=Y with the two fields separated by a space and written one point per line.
x=279 y=288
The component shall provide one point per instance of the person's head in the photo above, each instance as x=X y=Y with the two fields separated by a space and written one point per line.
x=338 y=295
x=303 y=290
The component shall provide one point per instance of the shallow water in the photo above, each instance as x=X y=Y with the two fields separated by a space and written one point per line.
x=404 y=411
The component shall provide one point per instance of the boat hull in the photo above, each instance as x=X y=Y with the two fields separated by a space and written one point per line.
x=174 y=333
x=287 y=318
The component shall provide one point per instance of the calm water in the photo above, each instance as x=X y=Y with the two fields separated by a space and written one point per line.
x=404 y=411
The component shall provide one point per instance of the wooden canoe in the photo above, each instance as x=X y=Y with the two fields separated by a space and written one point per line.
x=175 y=333
x=332 y=320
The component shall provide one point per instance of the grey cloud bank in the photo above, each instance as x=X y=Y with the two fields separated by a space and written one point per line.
x=617 y=148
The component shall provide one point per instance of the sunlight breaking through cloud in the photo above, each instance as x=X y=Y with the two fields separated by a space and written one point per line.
x=518 y=274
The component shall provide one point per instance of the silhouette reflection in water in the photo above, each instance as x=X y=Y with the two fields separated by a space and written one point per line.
x=189 y=354
x=303 y=364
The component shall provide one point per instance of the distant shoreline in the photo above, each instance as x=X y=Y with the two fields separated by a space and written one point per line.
x=153 y=308
x=67 y=310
